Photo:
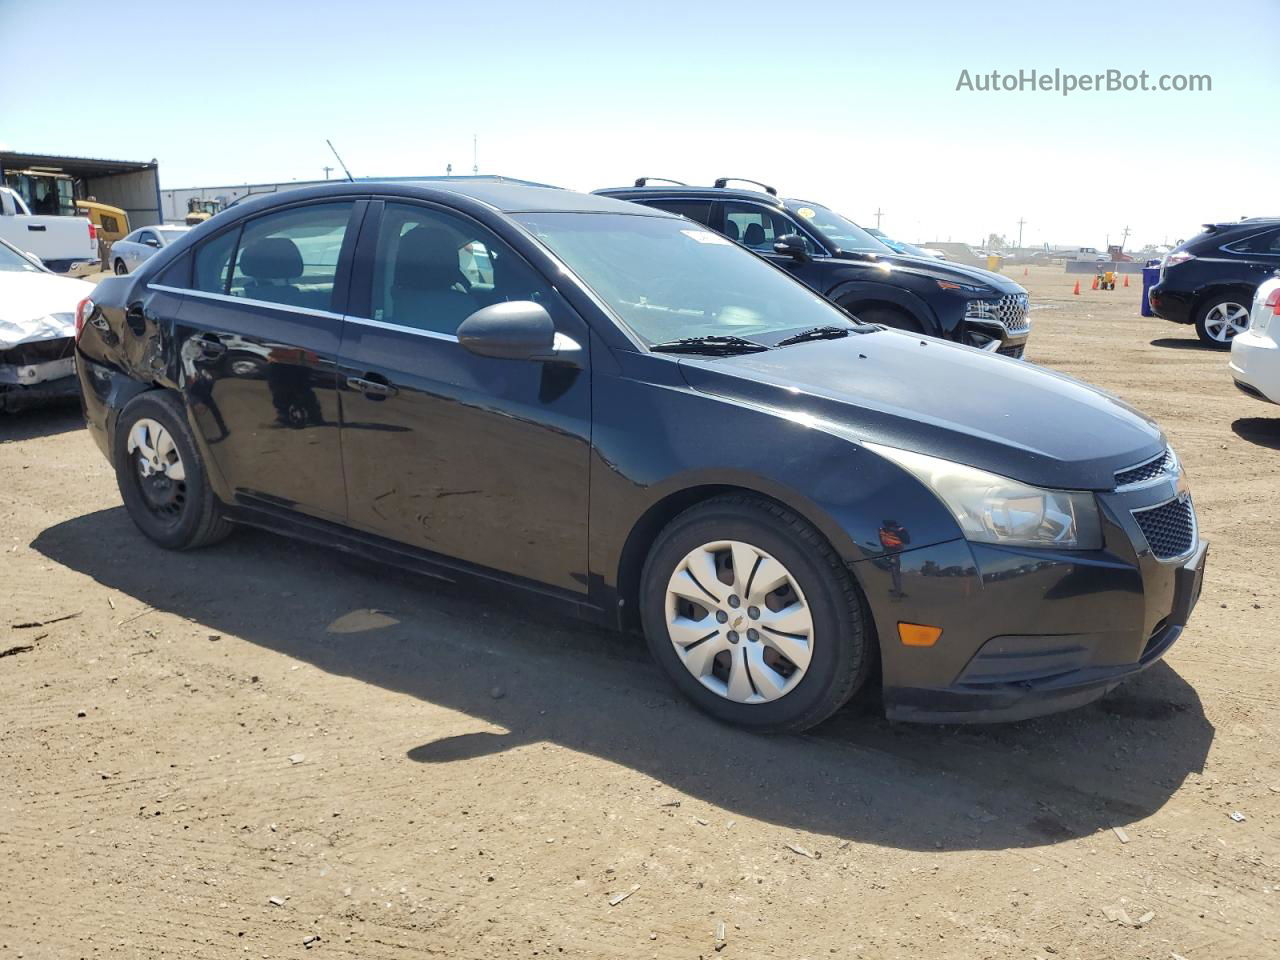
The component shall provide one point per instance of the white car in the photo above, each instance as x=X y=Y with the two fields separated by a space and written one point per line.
x=128 y=253
x=37 y=330
x=1255 y=354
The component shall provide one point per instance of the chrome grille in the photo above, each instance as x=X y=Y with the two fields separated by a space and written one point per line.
x=1158 y=466
x=1170 y=528
x=1010 y=311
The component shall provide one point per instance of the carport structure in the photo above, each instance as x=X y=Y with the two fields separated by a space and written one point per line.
x=134 y=186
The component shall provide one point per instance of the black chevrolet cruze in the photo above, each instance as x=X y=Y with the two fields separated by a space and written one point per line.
x=621 y=410
x=851 y=267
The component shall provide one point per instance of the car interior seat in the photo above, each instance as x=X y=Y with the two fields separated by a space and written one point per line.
x=428 y=290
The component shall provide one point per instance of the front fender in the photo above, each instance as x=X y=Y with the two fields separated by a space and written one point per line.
x=865 y=291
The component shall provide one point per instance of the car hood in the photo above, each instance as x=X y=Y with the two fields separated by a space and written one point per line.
x=38 y=306
x=946 y=270
x=995 y=413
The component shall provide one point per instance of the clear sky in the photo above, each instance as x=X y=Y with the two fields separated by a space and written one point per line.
x=851 y=104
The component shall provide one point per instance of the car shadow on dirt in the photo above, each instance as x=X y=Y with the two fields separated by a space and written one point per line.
x=1181 y=343
x=47 y=420
x=1264 y=431
x=543 y=678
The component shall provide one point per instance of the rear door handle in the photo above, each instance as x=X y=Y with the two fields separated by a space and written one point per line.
x=372 y=388
x=210 y=349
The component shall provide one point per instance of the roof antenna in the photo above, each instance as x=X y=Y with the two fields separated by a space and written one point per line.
x=340 y=163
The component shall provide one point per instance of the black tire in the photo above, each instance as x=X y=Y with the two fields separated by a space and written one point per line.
x=120 y=268
x=838 y=667
x=1219 y=301
x=888 y=317
x=191 y=515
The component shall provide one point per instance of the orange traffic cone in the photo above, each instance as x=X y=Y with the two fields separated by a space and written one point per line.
x=1076 y=291
x=1126 y=280
x=1095 y=281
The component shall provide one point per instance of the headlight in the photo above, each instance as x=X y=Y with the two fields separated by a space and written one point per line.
x=995 y=509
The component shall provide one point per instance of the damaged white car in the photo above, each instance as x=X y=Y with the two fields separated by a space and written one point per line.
x=37 y=331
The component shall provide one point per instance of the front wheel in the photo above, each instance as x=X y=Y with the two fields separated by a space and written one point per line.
x=1221 y=319
x=161 y=477
x=753 y=616
x=888 y=317
x=121 y=269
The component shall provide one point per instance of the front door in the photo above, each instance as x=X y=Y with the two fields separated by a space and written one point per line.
x=258 y=337
x=756 y=226
x=478 y=459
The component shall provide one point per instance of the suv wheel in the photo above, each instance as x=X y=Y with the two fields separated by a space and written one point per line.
x=753 y=616
x=888 y=317
x=161 y=477
x=1221 y=318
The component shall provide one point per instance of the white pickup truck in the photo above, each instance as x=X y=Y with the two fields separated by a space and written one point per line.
x=66 y=244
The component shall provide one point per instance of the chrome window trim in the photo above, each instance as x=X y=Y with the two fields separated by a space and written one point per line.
x=245 y=301
x=401 y=328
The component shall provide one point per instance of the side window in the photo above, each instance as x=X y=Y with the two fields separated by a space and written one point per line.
x=693 y=209
x=213 y=262
x=133 y=237
x=758 y=227
x=291 y=257
x=1267 y=242
x=148 y=238
x=432 y=270
x=109 y=223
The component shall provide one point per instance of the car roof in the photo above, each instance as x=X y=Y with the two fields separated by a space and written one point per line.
x=504 y=197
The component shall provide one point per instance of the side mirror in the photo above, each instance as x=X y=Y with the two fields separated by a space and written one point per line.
x=791 y=245
x=152 y=242
x=516 y=330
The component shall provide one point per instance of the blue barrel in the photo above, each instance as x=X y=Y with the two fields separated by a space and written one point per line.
x=1150 y=277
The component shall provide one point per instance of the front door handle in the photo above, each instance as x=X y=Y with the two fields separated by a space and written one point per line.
x=372 y=388
x=210 y=349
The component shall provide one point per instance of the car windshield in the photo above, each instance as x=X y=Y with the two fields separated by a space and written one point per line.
x=171 y=235
x=670 y=279
x=13 y=262
x=842 y=232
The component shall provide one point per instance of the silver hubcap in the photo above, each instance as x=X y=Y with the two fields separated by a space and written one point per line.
x=1225 y=320
x=739 y=622
x=155 y=450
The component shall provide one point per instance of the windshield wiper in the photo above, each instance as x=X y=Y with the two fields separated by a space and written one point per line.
x=723 y=346
x=814 y=333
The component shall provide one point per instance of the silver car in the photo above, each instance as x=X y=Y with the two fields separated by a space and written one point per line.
x=128 y=253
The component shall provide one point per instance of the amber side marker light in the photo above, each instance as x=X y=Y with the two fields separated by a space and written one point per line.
x=918 y=635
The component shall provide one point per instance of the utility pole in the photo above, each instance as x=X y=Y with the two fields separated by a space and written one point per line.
x=1124 y=238
x=1021 y=224
x=475 y=164
x=448 y=169
x=879 y=214
x=327 y=171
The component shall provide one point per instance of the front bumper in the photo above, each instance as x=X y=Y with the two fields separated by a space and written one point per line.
x=1255 y=364
x=1025 y=632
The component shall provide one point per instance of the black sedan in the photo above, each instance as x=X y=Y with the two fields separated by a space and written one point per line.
x=623 y=411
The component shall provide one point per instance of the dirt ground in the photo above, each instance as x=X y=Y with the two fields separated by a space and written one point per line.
x=224 y=753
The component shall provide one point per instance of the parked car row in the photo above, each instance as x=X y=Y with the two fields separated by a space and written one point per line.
x=663 y=426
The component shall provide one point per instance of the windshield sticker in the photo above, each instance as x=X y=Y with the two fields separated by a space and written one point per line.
x=705 y=236
x=807 y=212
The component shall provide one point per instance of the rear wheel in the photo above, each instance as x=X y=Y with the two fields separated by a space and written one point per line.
x=753 y=616
x=161 y=476
x=120 y=268
x=1221 y=318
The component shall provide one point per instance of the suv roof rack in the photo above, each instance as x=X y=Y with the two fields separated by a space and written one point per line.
x=642 y=181
x=722 y=182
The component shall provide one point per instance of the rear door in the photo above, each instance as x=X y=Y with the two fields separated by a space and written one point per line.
x=479 y=459
x=257 y=336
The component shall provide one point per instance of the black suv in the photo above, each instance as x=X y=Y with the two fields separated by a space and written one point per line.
x=849 y=266
x=1210 y=280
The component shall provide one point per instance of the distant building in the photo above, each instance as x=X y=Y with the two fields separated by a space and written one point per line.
x=51 y=185
x=176 y=203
